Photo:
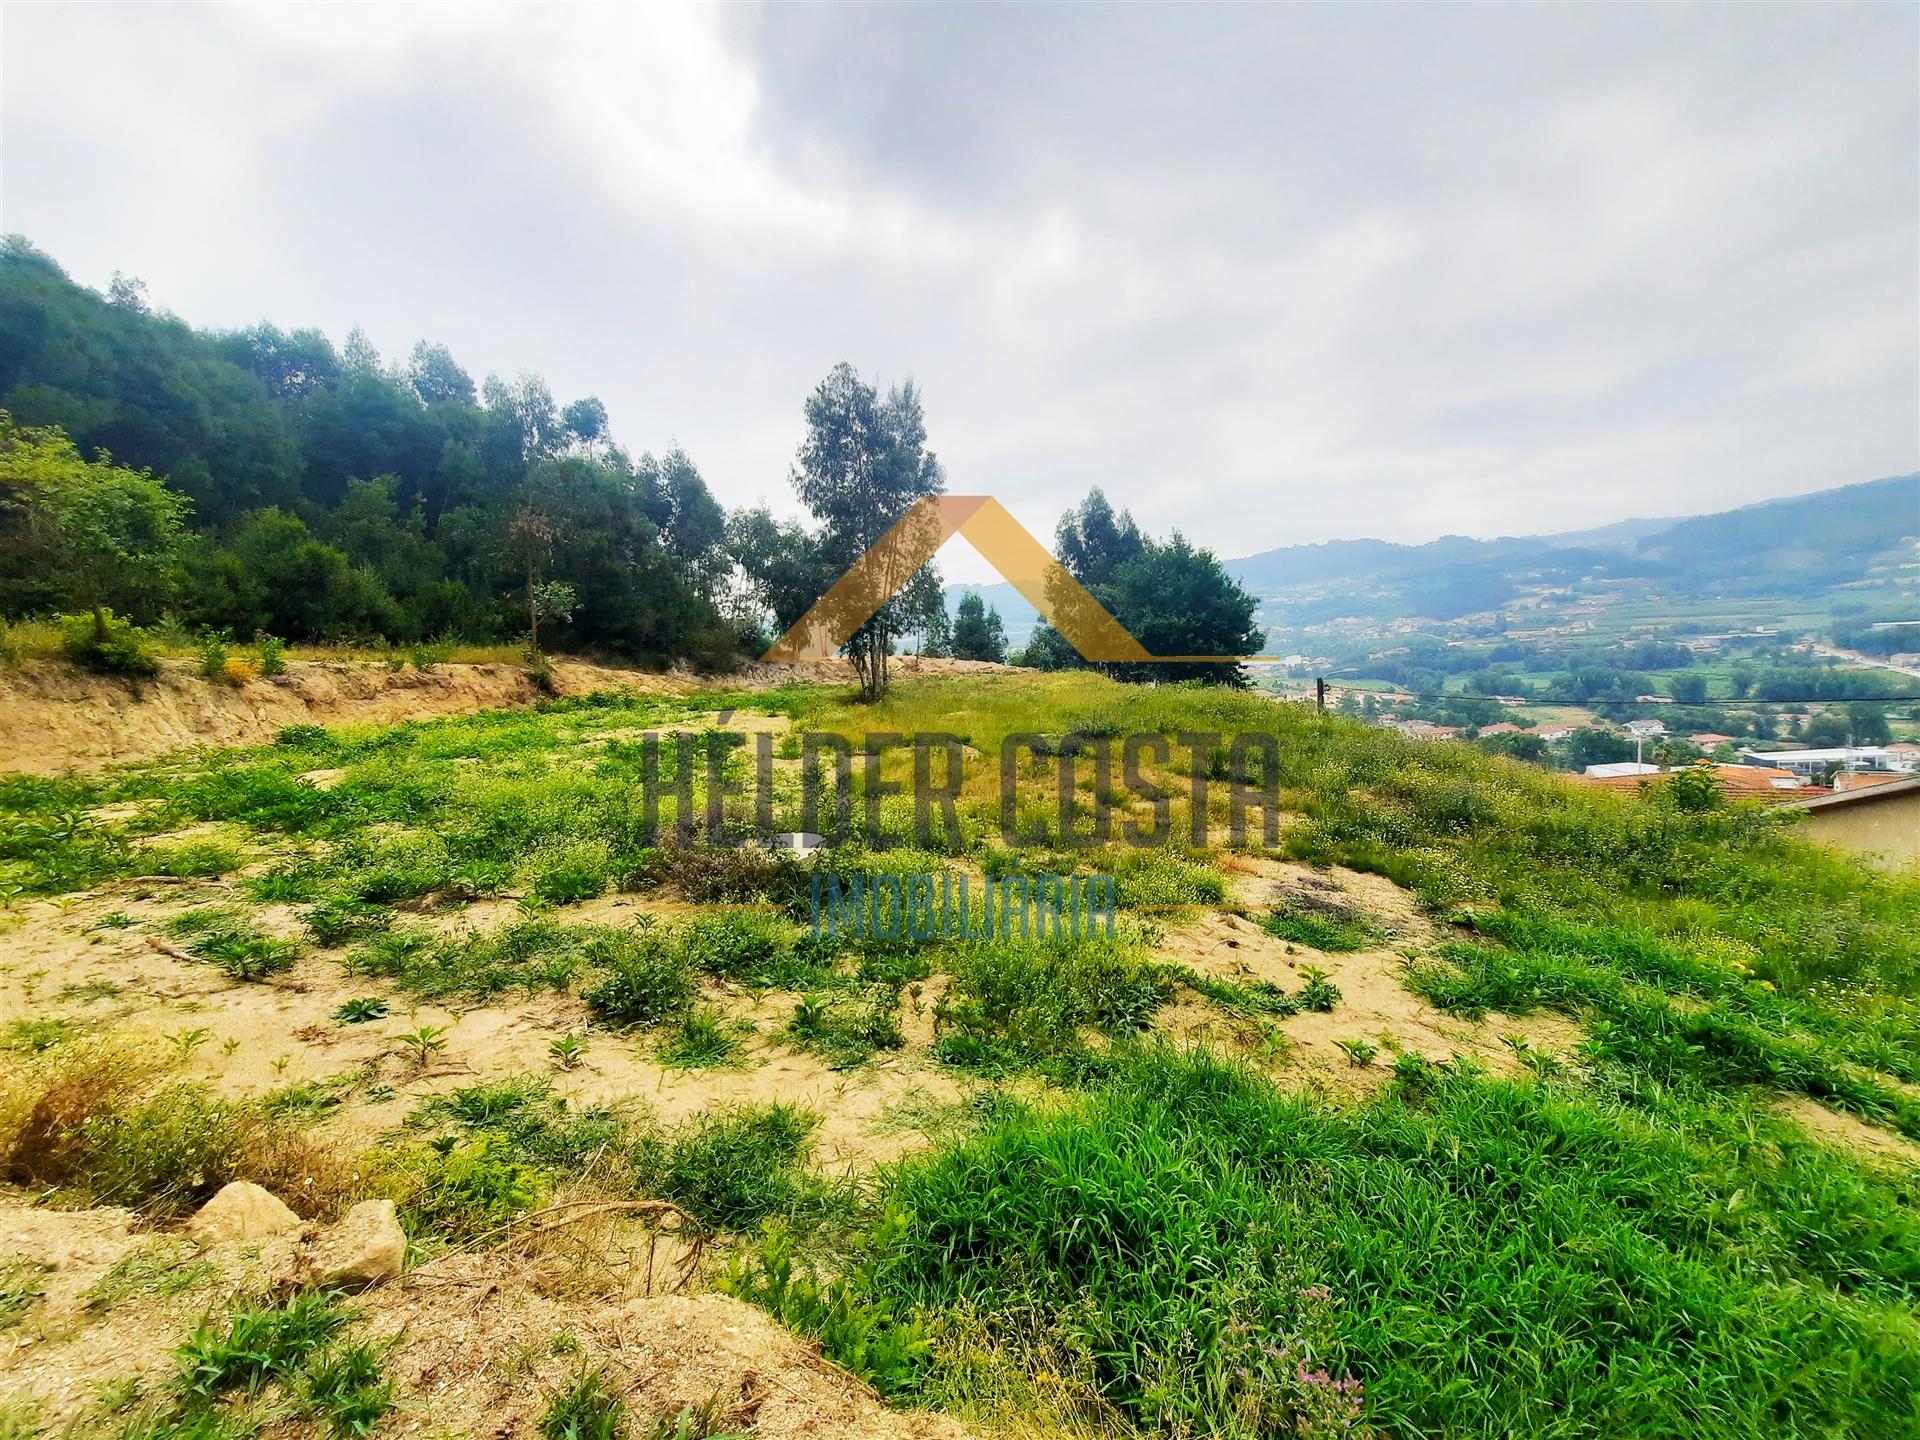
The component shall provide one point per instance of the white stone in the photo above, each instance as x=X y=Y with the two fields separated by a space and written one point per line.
x=242 y=1211
x=364 y=1248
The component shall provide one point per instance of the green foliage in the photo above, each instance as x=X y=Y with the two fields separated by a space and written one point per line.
x=213 y=658
x=225 y=939
x=361 y=1010
x=345 y=1384
x=340 y=500
x=648 y=980
x=530 y=953
x=255 y=1347
x=341 y=919
x=1189 y=1198
x=463 y=1191
x=107 y=645
x=736 y=1167
x=848 y=1029
x=191 y=859
x=700 y=1037
x=110 y=535
x=977 y=631
x=1319 y=993
x=273 y=656
x=586 y=1410
x=860 y=1334
x=1014 y=1005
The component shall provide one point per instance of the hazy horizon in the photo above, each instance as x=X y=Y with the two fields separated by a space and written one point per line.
x=1271 y=277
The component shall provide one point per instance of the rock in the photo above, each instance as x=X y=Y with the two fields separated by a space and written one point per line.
x=241 y=1211
x=366 y=1247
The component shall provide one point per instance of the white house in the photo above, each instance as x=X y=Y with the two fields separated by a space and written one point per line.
x=1645 y=729
x=1865 y=757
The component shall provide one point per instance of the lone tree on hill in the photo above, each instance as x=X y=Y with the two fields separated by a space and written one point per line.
x=863 y=464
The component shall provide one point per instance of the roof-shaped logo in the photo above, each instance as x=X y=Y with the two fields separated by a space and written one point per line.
x=1005 y=544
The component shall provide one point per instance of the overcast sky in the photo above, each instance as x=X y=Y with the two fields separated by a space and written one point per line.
x=1266 y=275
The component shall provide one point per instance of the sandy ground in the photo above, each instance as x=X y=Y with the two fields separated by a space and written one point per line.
x=477 y=1348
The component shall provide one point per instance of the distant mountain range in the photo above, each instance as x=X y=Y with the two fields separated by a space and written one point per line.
x=1798 y=546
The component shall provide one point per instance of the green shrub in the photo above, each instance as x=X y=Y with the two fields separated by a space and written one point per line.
x=460 y=1191
x=569 y=880
x=339 y=920
x=213 y=659
x=648 y=980
x=301 y=737
x=285 y=882
x=857 y=1332
x=736 y=1166
x=273 y=655
x=240 y=950
x=848 y=1029
x=122 y=650
x=396 y=867
x=699 y=1038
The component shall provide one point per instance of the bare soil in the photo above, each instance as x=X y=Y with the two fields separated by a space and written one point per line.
x=58 y=718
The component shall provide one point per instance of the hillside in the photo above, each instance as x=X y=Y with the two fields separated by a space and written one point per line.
x=1478 y=1099
x=1800 y=548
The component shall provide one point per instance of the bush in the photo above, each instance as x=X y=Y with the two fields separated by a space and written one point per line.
x=273 y=656
x=213 y=658
x=648 y=980
x=339 y=919
x=857 y=1332
x=847 y=1029
x=122 y=650
x=83 y=1122
x=225 y=939
x=735 y=1167
x=699 y=1038
x=462 y=1191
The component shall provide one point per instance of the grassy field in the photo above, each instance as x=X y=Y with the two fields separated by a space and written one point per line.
x=1479 y=1105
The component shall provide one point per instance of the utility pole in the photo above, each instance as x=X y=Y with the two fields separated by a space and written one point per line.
x=1320 y=694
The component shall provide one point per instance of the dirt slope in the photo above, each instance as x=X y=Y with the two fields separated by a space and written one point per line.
x=55 y=718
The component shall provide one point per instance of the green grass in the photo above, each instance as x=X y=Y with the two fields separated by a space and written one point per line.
x=1627 y=1241
x=164 y=1268
x=1496 y=1258
x=586 y=1410
x=1011 y=1006
x=701 y=1038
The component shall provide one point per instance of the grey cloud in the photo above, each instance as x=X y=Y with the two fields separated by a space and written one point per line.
x=1269 y=274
